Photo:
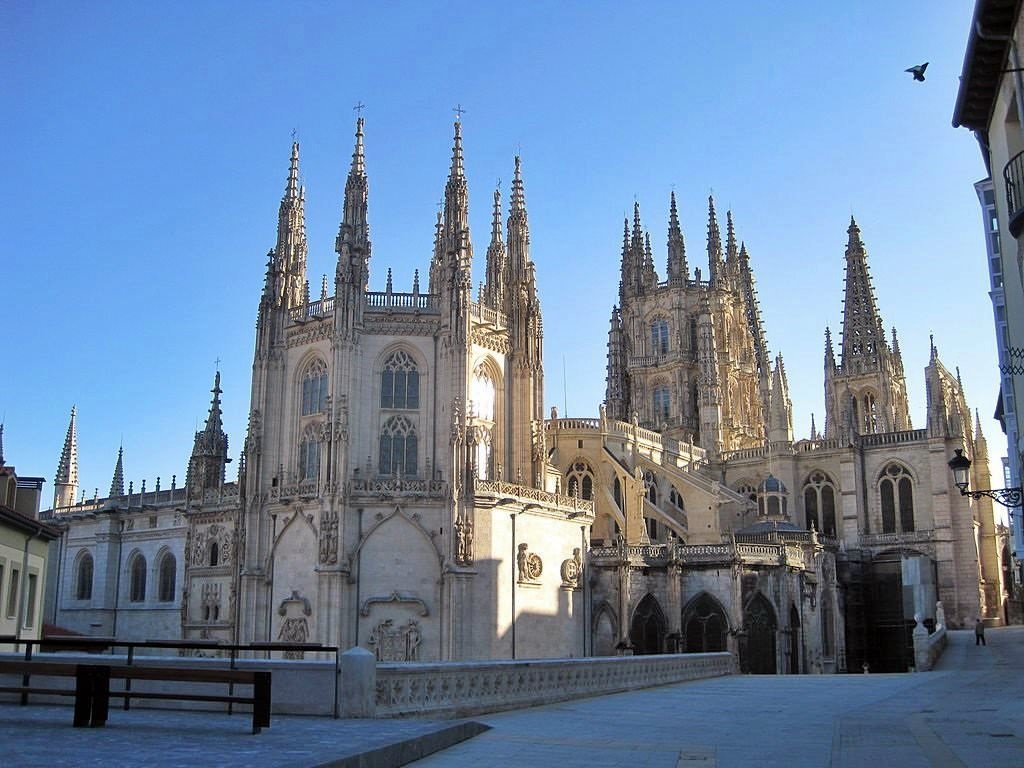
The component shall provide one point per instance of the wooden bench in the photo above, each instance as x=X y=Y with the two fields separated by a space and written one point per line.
x=92 y=687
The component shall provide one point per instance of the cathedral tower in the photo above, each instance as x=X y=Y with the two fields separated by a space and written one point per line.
x=866 y=392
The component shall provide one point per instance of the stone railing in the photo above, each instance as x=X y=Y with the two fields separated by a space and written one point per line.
x=892 y=438
x=306 y=489
x=703 y=554
x=402 y=302
x=397 y=487
x=460 y=689
x=312 y=309
x=896 y=539
x=484 y=314
x=523 y=493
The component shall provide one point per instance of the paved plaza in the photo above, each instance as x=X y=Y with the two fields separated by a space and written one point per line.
x=969 y=712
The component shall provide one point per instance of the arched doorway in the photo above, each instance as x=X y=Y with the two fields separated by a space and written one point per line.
x=794 y=640
x=757 y=642
x=647 y=630
x=704 y=625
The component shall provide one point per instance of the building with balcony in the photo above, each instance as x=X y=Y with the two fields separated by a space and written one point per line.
x=990 y=102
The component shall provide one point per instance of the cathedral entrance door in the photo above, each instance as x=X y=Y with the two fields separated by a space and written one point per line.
x=757 y=646
x=704 y=626
x=647 y=630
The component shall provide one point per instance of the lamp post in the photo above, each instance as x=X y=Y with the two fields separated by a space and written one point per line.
x=961 y=466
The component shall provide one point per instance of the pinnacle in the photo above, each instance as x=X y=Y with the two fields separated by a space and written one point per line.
x=358 y=157
x=457 y=170
x=292 y=188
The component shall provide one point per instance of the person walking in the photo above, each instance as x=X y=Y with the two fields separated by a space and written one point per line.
x=979 y=632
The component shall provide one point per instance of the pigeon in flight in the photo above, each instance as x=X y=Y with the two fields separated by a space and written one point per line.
x=918 y=71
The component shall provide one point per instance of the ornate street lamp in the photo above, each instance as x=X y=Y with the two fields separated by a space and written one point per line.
x=961 y=466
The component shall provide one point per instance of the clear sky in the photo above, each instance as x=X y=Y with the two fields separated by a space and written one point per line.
x=148 y=148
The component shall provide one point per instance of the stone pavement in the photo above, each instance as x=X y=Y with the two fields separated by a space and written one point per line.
x=970 y=712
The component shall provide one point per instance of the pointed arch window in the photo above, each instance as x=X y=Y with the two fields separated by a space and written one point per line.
x=651 y=487
x=896 y=490
x=83 y=578
x=820 y=504
x=309 y=456
x=482 y=393
x=483 y=454
x=659 y=337
x=398 y=447
x=314 y=388
x=676 y=499
x=869 y=412
x=167 y=576
x=400 y=382
x=662 y=404
x=580 y=480
x=137 y=579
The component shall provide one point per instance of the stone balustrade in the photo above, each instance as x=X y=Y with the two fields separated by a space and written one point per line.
x=467 y=688
x=928 y=647
x=524 y=493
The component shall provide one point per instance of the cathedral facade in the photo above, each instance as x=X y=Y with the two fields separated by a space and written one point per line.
x=400 y=488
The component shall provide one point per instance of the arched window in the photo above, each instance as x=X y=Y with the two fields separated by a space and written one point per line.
x=659 y=337
x=652 y=528
x=168 y=575
x=617 y=493
x=400 y=382
x=897 y=493
x=214 y=554
x=820 y=503
x=580 y=480
x=398 y=447
x=704 y=625
x=309 y=456
x=676 y=499
x=482 y=394
x=83 y=583
x=693 y=335
x=137 y=582
x=869 y=412
x=484 y=454
x=651 y=487
x=662 y=404
x=314 y=388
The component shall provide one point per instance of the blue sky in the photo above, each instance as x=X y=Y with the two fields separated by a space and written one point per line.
x=148 y=149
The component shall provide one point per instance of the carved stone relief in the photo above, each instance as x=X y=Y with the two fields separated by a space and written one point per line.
x=391 y=643
x=464 y=542
x=529 y=563
x=295 y=627
x=329 y=537
x=571 y=570
x=210 y=602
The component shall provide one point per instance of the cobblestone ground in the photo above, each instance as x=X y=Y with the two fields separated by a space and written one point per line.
x=969 y=712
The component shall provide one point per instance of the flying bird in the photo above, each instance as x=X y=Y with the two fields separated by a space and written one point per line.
x=918 y=71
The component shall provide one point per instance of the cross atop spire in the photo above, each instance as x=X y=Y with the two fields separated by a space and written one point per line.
x=358 y=108
x=459 y=112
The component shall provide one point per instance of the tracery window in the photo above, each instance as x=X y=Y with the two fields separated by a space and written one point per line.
x=83 y=584
x=398 y=446
x=400 y=382
x=748 y=490
x=168 y=574
x=482 y=394
x=309 y=456
x=662 y=402
x=897 y=494
x=651 y=487
x=483 y=454
x=869 y=412
x=137 y=581
x=314 y=388
x=659 y=337
x=580 y=481
x=675 y=498
x=820 y=503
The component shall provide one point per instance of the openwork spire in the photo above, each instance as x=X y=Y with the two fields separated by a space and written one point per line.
x=210 y=450
x=862 y=326
x=731 y=254
x=457 y=241
x=67 y=467
x=518 y=228
x=494 y=290
x=353 y=241
x=289 y=259
x=678 y=269
x=714 y=244
x=117 y=482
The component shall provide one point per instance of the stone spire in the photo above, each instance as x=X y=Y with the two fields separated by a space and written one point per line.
x=210 y=450
x=896 y=354
x=436 y=274
x=617 y=390
x=457 y=241
x=518 y=228
x=748 y=286
x=117 y=482
x=353 y=242
x=830 y=353
x=780 y=416
x=714 y=245
x=814 y=429
x=65 y=483
x=861 y=322
x=650 y=276
x=637 y=272
x=731 y=254
x=291 y=249
x=980 y=443
x=494 y=290
x=678 y=269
